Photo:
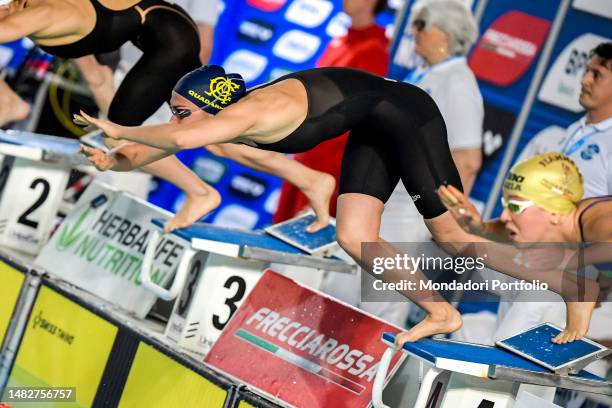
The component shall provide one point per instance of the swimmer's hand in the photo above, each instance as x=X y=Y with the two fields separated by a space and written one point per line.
x=462 y=210
x=98 y=158
x=109 y=128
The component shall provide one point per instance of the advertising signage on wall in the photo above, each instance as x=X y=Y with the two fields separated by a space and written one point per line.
x=508 y=47
x=601 y=8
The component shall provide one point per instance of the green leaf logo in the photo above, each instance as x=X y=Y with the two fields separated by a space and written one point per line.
x=71 y=233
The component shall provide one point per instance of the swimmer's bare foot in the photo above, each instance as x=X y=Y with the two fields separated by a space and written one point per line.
x=447 y=320
x=195 y=207
x=319 y=192
x=577 y=324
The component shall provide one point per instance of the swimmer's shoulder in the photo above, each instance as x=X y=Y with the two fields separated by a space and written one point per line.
x=596 y=215
x=277 y=96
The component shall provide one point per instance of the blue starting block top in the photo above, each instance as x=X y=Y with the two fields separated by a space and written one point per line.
x=231 y=236
x=535 y=345
x=496 y=363
x=294 y=232
x=252 y=244
x=39 y=147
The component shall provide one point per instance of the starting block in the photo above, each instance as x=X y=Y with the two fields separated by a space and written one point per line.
x=34 y=173
x=293 y=232
x=462 y=374
x=563 y=359
x=215 y=275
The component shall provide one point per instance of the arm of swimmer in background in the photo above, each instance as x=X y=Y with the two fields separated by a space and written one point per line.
x=24 y=23
x=495 y=230
x=467 y=216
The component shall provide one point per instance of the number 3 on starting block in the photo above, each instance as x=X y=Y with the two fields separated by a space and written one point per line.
x=30 y=194
x=214 y=288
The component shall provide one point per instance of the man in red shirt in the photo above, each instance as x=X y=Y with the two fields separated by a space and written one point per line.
x=365 y=47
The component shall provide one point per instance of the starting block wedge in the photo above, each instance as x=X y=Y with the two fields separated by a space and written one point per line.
x=458 y=372
x=293 y=232
x=563 y=359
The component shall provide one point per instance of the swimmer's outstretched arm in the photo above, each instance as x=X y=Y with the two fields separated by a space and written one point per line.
x=24 y=23
x=468 y=217
x=224 y=127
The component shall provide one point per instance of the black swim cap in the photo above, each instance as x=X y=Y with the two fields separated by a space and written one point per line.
x=210 y=88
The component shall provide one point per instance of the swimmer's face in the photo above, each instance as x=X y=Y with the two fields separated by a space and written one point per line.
x=596 y=84
x=533 y=224
x=182 y=104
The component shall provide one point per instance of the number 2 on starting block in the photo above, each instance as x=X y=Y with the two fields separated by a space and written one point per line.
x=30 y=194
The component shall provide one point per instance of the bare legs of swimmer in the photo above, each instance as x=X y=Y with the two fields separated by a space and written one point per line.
x=12 y=107
x=358 y=221
x=317 y=186
x=100 y=80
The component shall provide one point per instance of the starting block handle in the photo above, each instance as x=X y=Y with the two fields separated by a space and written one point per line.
x=179 y=278
x=381 y=375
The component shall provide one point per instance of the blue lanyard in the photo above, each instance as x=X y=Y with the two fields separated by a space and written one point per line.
x=416 y=77
x=579 y=143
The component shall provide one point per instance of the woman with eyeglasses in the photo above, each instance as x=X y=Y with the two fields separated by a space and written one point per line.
x=542 y=199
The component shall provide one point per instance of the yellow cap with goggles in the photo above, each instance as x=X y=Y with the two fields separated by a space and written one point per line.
x=551 y=180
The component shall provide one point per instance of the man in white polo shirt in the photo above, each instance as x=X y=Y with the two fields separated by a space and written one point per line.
x=588 y=141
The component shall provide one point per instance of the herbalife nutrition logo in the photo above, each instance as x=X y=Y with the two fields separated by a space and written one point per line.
x=116 y=244
x=70 y=234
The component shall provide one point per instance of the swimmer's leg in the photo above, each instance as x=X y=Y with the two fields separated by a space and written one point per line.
x=359 y=222
x=145 y=88
x=12 y=107
x=100 y=80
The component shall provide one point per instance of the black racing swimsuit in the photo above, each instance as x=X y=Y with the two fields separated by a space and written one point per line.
x=170 y=43
x=397 y=132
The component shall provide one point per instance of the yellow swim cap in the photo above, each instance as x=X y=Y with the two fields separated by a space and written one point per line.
x=551 y=180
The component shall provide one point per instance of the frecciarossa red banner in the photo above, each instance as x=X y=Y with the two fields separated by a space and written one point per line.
x=302 y=347
x=508 y=47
